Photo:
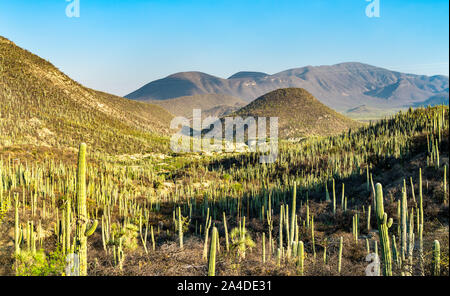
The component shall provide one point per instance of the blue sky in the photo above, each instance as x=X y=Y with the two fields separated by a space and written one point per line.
x=118 y=46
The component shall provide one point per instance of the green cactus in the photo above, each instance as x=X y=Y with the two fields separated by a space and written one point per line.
x=383 y=226
x=82 y=217
x=436 y=258
x=180 y=228
x=293 y=213
x=341 y=245
x=301 y=257
x=264 y=247
x=227 y=242
x=212 y=253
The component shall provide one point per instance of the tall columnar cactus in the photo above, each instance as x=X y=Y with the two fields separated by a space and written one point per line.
x=212 y=252
x=404 y=223
x=436 y=258
x=67 y=230
x=227 y=242
x=180 y=228
x=383 y=226
x=341 y=244
x=293 y=212
x=280 y=244
x=445 y=183
x=17 y=232
x=264 y=247
x=207 y=226
x=301 y=257
x=355 y=228
x=334 y=197
x=312 y=238
x=82 y=218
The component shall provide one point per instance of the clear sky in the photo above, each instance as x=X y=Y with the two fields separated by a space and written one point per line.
x=118 y=46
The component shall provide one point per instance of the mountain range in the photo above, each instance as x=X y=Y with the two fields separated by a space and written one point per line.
x=210 y=104
x=342 y=87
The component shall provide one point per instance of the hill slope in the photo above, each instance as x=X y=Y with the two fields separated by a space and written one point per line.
x=210 y=104
x=341 y=87
x=39 y=105
x=299 y=114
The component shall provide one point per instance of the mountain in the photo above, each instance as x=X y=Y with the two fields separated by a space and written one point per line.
x=245 y=74
x=210 y=104
x=299 y=114
x=341 y=87
x=41 y=106
x=441 y=99
x=366 y=113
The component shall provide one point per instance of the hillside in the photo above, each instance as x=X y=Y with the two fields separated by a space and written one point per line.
x=441 y=99
x=341 y=87
x=41 y=106
x=299 y=113
x=210 y=104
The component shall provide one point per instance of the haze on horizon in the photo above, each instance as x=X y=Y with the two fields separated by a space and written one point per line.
x=118 y=46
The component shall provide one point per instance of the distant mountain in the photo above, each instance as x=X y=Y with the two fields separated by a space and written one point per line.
x=442 y=99
x=341 y=87
x=299 y=114
x=363 y=109
x=210 y=104
x=244 y=74
x=41 y=106
x=366 y=113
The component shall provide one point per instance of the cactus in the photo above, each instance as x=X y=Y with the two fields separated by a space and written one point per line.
x=341 y=245
x=301 y=257
x=153 y=238
x=67 y=230
x=383 y=226
x=445 y=183
x=207 y=226
x=17 y=232
x=82 y=218
x=212 y=253
x=180 y=228
x=312 y=237
x=404 y=230
x=280 y=244
x=227 y=242
x=436 y=258
x=293 y=213
x=264 y=247
x=355 y=228
x=334 y=198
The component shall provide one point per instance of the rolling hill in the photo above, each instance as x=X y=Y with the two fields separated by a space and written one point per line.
x=341 y=87
x=299 y=114
x=210 y=104
x=41 y=106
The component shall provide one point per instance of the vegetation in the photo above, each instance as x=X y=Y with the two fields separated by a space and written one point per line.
x=137 y=198
x=326 y=203
x=304 y=117
x=40 y=106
